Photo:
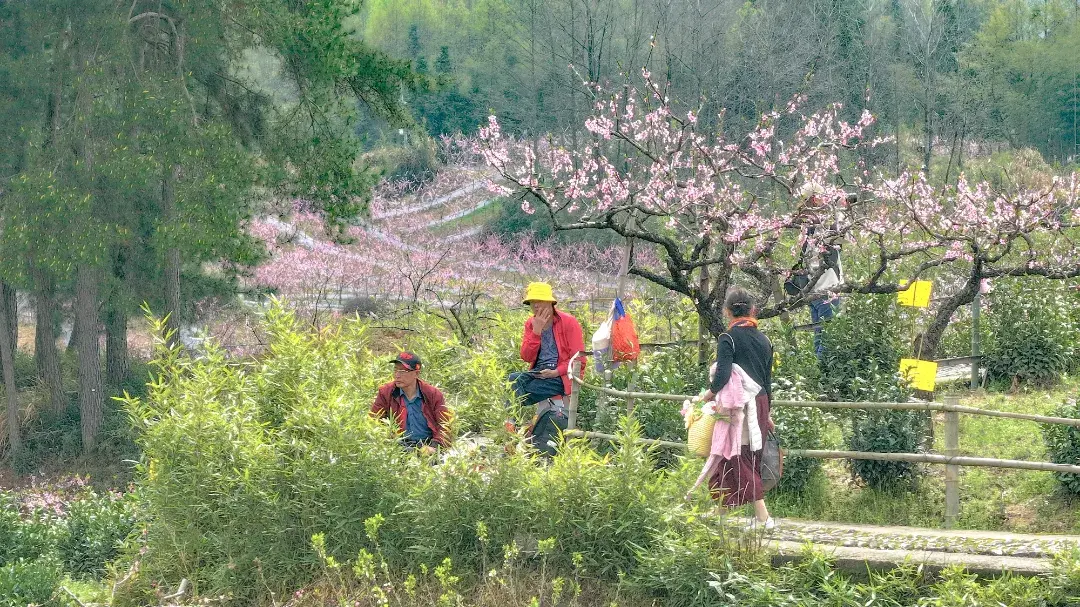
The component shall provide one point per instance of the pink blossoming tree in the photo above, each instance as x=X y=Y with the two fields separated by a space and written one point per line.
x=747 y=209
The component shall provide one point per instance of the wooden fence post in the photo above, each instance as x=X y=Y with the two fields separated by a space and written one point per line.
x=952 y=471
x=571 y=419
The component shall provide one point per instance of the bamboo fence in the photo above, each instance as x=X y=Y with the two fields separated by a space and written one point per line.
x=951 y=458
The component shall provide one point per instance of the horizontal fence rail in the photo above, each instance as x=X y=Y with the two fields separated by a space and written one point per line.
x=951 y=459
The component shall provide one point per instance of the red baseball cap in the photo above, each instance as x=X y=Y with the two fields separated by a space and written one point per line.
x=408 y=360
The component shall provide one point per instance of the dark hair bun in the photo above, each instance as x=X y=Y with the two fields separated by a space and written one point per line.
x=739 y=302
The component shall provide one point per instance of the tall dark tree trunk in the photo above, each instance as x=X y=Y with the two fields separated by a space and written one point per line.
x=91 y=396
x=172 y=257
x=7 y=357
x=11 y=300
x=117 y=362
x=45 y=354
x=11 y=296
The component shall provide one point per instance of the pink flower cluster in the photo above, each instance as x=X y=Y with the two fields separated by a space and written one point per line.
x=750 y=201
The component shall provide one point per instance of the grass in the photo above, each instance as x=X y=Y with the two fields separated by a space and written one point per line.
x=479 y=217
x=990 y=498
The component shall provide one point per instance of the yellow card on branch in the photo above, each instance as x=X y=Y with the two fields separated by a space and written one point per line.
x=921 y=373
x=917 y=294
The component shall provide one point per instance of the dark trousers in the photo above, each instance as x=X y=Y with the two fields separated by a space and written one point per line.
x=531 y=389
x=820 y=311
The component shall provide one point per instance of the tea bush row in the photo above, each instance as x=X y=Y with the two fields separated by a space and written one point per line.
x=71 y=537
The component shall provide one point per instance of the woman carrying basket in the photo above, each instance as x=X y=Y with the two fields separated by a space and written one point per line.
x=743 y=363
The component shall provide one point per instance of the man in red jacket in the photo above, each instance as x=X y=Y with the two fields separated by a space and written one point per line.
x=419 y=408
x=549 y=340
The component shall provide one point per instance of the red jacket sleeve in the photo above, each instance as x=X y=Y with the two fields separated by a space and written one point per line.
x=441 y=420
x=530 y=343
x=574 y=339
x=381 y=407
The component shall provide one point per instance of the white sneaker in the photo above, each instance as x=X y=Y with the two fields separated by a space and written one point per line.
x=756 y=525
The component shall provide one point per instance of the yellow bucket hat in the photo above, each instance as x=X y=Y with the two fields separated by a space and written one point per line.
x=538 y=291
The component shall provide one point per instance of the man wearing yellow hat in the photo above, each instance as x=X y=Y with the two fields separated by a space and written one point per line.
x=549 y=341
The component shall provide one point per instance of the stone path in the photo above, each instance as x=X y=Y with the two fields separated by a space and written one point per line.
x=856 y=547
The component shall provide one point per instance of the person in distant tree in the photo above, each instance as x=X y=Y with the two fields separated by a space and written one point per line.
x=418 y=407
x=550 y=339
x=824 y=304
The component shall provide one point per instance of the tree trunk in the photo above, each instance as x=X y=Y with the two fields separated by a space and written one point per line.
x=172 y=257
x=45 y=354
x=11 y=299
x=11 y=296
x=91 y=397
x=931 y=339
x=117 y=362
x=7 y=357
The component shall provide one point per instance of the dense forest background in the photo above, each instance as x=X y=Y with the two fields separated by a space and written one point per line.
x=946 y=77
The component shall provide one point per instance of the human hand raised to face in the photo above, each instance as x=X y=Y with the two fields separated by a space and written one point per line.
x=541 y=320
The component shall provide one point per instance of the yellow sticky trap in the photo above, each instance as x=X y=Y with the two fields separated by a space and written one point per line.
x=921 y=373
x=916 y=295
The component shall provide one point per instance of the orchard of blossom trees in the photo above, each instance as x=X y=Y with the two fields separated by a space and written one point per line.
x=722 y=208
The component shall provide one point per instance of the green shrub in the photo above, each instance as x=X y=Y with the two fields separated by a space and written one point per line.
x=22 y=538
x=416 y=164
x=797 y=428
x=672 y=370
x=677 y=566
x=93 y=532
x=862 y=352
x=887 y=431
x=244 y=463
x=1063 y=445
x=604 y=507
x=29 y=570
x=796 y=369
x=1033 y=333
x=26 y=375
x=30 y=582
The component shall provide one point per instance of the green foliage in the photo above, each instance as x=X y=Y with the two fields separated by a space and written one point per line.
x=244 y=463
x=1034 y=332
x=23 y=540
x=30 y=582
x=887 y=431
x=796 y=376
x=415 y=165
x=799 y=428
x=93 y=531
x=814 y=582
x=671 y=370
x=26 y=375
x=1064 y=576
x=678 y=564
x=862 y=351
x=1063 y=444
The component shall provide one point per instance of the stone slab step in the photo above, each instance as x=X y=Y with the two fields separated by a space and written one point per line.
x=858 y=561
